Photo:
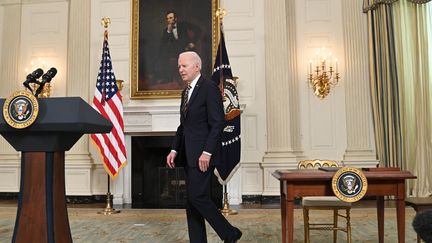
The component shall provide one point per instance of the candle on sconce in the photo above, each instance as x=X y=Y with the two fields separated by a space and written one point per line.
x=310 y=66
x=336 y=65
x=330 y=61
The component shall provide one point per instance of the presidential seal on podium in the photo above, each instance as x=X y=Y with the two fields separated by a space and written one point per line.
x=21 y=109
x=349 y=184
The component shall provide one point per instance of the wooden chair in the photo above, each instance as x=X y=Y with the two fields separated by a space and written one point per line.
x=324 y=203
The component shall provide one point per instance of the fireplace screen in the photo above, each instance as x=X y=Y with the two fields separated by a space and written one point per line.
x=172 y=187
x=153 y=184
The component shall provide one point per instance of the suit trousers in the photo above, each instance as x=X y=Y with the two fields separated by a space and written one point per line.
x=200 y=207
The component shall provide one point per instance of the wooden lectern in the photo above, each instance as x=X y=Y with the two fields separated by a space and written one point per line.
x=42 y=213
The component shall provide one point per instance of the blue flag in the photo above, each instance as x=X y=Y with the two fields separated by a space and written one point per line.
x=231 y=148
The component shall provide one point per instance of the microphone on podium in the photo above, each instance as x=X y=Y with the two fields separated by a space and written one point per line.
x=46 y=78
x=32 y=78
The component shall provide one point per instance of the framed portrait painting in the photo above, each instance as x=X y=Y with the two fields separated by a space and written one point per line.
x=161 y=30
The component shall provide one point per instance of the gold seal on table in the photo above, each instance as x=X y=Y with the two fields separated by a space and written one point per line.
x=21 y=109
x=349 y=184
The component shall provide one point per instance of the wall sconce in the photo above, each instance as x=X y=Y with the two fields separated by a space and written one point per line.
x=119 y=83
x=323 y=76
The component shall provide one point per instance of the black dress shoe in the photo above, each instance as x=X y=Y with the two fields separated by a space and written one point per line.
x=234 y=237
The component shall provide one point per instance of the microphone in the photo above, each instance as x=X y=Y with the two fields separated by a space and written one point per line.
x=31 y=78
x=46 y=78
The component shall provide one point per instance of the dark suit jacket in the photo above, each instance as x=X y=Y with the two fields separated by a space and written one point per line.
x=187 y=33
x=165 y=66
x=201 y=127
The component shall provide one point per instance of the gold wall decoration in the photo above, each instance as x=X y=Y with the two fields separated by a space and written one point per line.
x=323 y=73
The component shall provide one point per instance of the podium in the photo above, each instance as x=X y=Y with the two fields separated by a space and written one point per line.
x=42 y=213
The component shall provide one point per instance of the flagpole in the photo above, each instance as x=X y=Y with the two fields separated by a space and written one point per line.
x=226 y=207
x=221 y=14
x=222 y=78
x=108 y=210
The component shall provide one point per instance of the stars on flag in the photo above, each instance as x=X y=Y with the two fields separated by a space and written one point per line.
x=222 y=66
x=106 y=78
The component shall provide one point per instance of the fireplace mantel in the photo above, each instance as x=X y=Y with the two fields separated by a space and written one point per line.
x=147 y=119
x=150 y=119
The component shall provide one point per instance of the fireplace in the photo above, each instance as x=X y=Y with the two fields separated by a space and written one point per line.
x=153 y=184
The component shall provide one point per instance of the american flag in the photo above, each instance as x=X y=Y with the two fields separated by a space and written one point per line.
x=107 y=101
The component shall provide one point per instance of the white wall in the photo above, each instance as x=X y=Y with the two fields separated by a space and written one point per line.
x=244 y=33
x=321 y=124
x=44 y=35
x=244 y=38
x=319 y=24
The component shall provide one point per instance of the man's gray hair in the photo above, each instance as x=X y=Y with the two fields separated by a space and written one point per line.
x=195 y=57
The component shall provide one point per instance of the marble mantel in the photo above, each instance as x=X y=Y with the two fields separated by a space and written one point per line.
x=148 y=119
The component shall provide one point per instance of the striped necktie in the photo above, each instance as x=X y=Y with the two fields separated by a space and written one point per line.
x=185 y=99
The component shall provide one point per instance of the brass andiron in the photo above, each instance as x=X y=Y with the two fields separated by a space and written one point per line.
x=323 y=76
x=226 y=207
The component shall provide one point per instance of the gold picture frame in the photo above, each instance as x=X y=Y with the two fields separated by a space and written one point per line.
x=153 y=71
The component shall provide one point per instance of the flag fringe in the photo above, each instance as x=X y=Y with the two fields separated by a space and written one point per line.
x=107 y=170
x=231 y=174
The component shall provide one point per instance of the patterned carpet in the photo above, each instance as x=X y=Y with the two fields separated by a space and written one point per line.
x=169 y=225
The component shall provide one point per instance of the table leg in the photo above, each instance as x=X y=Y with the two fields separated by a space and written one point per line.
x=287 y=214
x=290 y=220
x=400 y=213
x=380 y=213
x=283 y=213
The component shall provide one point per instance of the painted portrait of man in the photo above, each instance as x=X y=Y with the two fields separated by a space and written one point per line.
x=167 y=28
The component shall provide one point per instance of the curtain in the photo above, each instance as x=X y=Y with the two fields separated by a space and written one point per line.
x=384 y=87
x=373 y=4
x=400 y=44
x=414 y=48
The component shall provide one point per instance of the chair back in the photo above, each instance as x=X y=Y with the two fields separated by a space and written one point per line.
x=317 y=163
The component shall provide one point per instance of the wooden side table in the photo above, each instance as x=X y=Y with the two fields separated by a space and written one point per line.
x=419 y=204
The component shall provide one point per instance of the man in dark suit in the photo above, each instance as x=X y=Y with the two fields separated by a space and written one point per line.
x=197 y=146
x=177 y=37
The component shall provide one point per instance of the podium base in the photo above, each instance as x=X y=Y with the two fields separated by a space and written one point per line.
x=42 y=213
